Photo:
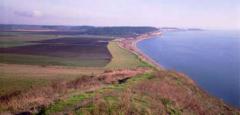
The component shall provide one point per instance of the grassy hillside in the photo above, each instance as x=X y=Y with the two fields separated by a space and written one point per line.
x=162 y=92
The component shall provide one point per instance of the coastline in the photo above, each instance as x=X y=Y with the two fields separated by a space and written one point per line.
x=131 y=45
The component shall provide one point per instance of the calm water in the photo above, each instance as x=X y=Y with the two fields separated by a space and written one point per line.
x=211 y=58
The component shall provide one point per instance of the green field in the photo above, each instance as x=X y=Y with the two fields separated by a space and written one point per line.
x=22 y=77
x=48 y=61
x=13 y=39
x=123 y=59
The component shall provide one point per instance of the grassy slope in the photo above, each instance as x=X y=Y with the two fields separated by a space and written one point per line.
x=69 y=104
x=123 y=59
x=164 y=92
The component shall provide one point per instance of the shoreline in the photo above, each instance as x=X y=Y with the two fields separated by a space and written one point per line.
x=131 y=45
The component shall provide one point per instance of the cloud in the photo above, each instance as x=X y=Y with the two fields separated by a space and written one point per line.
x=34 y=13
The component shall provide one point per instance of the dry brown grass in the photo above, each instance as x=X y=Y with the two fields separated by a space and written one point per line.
x=176 y=91
x=164 y=93
x=37 y=97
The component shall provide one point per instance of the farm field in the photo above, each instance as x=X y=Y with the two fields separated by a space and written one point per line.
x=13 y=39
x=29 y=48
x=46 y=60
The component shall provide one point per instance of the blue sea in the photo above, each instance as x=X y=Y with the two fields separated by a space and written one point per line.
x=210 y=58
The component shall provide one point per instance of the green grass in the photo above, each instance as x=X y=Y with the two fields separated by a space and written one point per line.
x=72 y=101
x=13 y=39
x=10 y=85
x=68 y=103
x=12 y=82
x=45 y=60
x=123 y=59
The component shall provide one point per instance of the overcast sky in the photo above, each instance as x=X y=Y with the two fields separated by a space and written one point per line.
x=212 y=14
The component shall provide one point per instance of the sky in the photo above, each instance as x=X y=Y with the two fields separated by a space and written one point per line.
x=208 y=14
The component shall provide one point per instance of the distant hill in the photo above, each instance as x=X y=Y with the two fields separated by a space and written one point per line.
x=13 y=27
x=179 y=29
x=75 y=30
x=120 y=31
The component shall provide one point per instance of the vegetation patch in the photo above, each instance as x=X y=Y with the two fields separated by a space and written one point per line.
x=111 y=99
x=123 y=59
x=63 y=105
x=32 y=99
x=13 y=39
x=51 y=61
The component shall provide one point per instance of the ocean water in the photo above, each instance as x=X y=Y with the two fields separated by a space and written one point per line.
x=210 y=58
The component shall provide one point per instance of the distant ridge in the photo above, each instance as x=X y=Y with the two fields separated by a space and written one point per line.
x=179 y=29
x=75 y=30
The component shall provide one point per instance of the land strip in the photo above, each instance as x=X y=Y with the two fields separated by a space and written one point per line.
x=131 y=45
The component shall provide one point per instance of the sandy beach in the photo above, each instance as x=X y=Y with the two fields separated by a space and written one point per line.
x=131 y=45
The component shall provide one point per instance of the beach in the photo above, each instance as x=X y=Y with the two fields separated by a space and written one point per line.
x=131 y=45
